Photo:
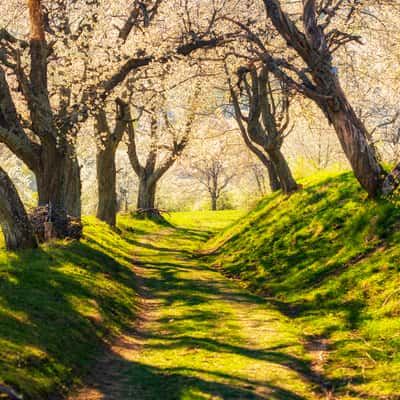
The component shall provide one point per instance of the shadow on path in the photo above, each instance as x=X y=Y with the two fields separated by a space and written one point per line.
x=200 y=337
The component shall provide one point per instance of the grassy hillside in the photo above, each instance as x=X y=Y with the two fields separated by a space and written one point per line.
x=329 y=258
x=58 y=305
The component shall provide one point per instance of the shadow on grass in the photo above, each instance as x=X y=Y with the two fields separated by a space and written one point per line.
x=150 y=246
x=145 y=382
x=171 y=290
x=57 y=305
x=196 y=234
x=148 y=382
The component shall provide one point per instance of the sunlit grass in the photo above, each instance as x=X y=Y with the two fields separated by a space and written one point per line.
x=58 y=304
x=206 y=337
x=326 y=260
x=330 y=258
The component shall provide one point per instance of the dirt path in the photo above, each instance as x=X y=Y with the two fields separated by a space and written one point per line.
x=199 y=336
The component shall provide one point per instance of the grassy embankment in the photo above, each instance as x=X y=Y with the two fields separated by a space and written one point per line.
x=329 y=258
x=326 y=261
x=58 y=305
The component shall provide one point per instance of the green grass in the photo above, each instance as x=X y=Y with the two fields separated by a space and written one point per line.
x=59 y=305
x=205 y=222
x=324 y=264
x=205 y=337
x=329 y=258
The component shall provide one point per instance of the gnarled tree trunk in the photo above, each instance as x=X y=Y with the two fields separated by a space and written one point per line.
x=14 y=221
x=353 y=137
x=265 y=127
x=325 y=89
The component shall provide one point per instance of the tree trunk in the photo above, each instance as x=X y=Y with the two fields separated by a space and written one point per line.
x=106 y=183
x=59 y=186
x=351 y=132
x=313 y=48
x=213 y=202
x=274 y=182
x=146 y=194
x=286 y=179
x=353 y=138
x=14 y=221
x=73 y=187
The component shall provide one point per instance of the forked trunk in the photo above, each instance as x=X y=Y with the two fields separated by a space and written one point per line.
x=14 y=221
x=106 y=183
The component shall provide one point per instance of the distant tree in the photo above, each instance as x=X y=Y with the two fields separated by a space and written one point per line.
x=166 y=144
x=213 y=170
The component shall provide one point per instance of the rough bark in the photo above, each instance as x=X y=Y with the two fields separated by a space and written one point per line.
x=274 y=183
x=353 y=139
x=58 y=182
x=14 y=221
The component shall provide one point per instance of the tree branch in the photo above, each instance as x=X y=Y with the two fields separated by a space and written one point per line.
x=132 y=150
x=136 y=63
x=11 y=131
